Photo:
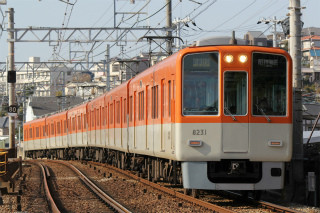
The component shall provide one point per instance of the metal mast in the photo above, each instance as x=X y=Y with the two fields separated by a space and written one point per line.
x=11 y=80
x=169 y=25
x=295 y=52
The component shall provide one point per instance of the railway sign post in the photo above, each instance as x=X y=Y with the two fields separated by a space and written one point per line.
x=12 y=110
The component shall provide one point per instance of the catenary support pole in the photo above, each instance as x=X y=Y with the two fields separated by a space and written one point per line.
x=169 y=25
x=295 y=52
x=11 y=68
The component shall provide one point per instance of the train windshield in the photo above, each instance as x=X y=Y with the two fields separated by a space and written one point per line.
x=269 y=84
x=200 y=84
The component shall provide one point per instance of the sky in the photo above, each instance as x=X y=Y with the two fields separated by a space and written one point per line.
x=211 y=18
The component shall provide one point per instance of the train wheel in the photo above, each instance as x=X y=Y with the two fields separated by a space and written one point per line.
x=195 y=193
x=256 y=195
x=186 y=191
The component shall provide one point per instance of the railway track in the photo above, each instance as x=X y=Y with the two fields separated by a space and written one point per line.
x=216 y=204
x=58 y=203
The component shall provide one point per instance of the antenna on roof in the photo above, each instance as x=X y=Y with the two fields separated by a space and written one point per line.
x=233 y=39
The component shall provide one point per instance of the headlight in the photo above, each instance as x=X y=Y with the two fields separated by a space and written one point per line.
x=243 y=58
x=228 y=58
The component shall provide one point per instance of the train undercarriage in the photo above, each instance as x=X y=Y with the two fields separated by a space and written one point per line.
x=152 y=168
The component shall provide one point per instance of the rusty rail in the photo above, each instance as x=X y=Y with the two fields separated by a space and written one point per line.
x=277 y=208
x=102 y=195
x=46 y=175
x=193 y=200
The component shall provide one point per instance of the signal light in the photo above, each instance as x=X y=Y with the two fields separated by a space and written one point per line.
x=228 y=58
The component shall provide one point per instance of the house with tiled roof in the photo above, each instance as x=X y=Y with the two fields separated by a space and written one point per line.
x=310 y=45
x=39 y=106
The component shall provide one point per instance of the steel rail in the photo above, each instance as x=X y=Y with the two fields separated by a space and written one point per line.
x=193 y=200
x=102 y=195
x=276 y=208
x=263 y=204
x=45 y=173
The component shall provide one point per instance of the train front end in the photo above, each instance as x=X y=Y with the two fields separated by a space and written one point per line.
x=233 y=119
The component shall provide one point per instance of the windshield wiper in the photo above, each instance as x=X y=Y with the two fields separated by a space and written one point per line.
x=262 y=112
x=228 y=111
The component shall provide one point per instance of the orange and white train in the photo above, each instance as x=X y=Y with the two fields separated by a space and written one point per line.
x=211 y=117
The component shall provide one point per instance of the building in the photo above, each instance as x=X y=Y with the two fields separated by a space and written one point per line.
x=256 y=38
x=86 y=90
x=39 y=106
x=309 y=116
x=4 y=126
x=40 y=78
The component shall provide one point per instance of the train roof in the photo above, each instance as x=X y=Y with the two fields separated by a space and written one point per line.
x=218 y=40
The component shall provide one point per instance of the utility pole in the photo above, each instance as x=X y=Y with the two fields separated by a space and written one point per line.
x=295 y=52
x=11 y=81
x=274 y=22
x=177 y=22
x=108 y=66
x=169 y=25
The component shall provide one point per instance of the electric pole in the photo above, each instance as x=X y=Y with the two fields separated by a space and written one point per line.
x=295 y=52
x=11 y=83
x=169 y=25
x=274 y=22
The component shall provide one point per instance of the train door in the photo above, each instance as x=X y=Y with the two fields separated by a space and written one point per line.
x=235 y=127
x=134 y=120
x=120 y=121
x=171 y=92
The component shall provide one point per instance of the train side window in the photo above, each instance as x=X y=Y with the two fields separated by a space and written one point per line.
x=44 y=131
x=130 y=107
x=169 y=97
x=141 y=106
x=92 y=118
x=118 y=111
x=98 y=117
x=163 y=89
x=30 y=132
x=73 y=124
x=154 y=108
x=79 y=122
x=103 y=117
x=111 y=113
x=125 y=110
x=58 y=127
x=37 y=132
x=65 y=126
x=84 y=121
x=52 y=129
